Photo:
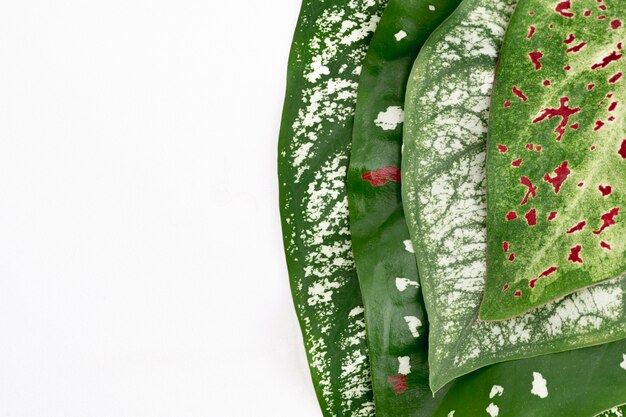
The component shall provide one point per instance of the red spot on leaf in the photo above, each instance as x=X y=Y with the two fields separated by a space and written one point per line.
x=535 y=56
x=570 y=38
x=574 y=254
x=544 y=274
x=574 y=126
x=517 y=163
x=613 y=106
x=567 y=67
x=615 y=78
x=580 y=184
x=587 y=13
x=605 y=245
x=531 y=31
x=605 y=190
x=590 y=86
x=611 y=119
x=607 y=60
x=546 y=83
x=577 y=228
x=502 y=149
x=560 y=175
x=563 y=8
x=505 y=287
x=532 y=189
x=507 y=104
x=552 y=215
x=530 y=146
x=602 y=7
x=518 y=293
x=399 y=383
x=531 y=217
x=608 y=220
x=505 y=246
x=511 y=215
x=576 y=48
x=598 y=126
x=512 y=257
x=539 y=148
x=616 y=24
x=601 y=17
x=563 y=111
x=622 y=149
x=382 y=176
x=519 y=93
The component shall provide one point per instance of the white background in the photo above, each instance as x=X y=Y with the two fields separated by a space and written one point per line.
x=141 y=263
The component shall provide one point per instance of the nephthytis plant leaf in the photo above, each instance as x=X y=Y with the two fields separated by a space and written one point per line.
x=328 y=49
x=444 y=195
x=557 y=155
x=394 y=313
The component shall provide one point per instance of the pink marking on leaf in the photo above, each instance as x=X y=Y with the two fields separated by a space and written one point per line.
x=563 y=8
x=615 y=78
x=502 y=149
x=530 y=146
x=567 y=67
x=560 y=175
x=580 y=184
x=512 y=257
x=552 y=215
x=546 y=83
x=505 y=246
x=531 y=217
x=539 y=148
x=574 y=254
x=519 y=94
x=518 y=293
x=382 y=176
x=570 y=38
x=605 y=245
x=613 y=106
x=601 y=17
x=535 y=56
x=544 y=274
x=576 y=48
x=507 y=104
x=587 y=13
x=607 y=60
x=532 y=189
x=399 y=383
x=608 y=220
x=511 y=215
x=605 y=190
x=616 y=24
x=505 y=287
x=590 y=86
x=577 y=228
x=517 y=163
x=574 y=126
x=531 y=31
x=563 y=111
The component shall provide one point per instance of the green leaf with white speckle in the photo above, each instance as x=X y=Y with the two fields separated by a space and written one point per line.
x=557 y=155
x=444 y=194
x=328 y=49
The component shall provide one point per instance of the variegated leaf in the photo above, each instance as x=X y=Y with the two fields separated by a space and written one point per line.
x=329 y=46
x=444 y=194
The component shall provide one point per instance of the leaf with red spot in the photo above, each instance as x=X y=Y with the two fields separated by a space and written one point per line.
x=577 y=119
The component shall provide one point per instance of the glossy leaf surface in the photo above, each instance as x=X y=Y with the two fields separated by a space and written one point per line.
x=557 y=155
x=328 y=49
x=394 y=313
x=444 y=188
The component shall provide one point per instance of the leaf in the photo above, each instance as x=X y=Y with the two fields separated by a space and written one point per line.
x=614 y=412
x=566 y=131
x=328 y=49
x=394 y=313
x=444 y=189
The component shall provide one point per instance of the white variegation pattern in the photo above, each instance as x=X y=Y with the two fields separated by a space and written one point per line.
x=445 y=199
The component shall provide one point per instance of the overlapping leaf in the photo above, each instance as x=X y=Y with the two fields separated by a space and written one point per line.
x=444 y=191
x=557 y=155
x=327 y=53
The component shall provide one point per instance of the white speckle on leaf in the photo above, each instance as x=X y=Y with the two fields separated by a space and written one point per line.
x=400 y=35
x=540 y=387
x=493 y=410
x=623 y=364
x=414 y=323
x=403 y=283
x=390 y=118
x=496 y=390
x=431 y=7
x=404 y=366
x=408 y=246
x=451 y=413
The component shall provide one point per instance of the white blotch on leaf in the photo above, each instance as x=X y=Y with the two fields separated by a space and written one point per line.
x=496 y=390
x=400 y=35
x=540 y=387
x=404 y=366
x=413 y=323
x=493 y=410
x=623 y=364
x=403 y=283
x=390 y=118
x=408 y=246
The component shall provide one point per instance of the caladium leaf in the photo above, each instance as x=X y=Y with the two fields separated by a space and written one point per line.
x=444 y=189
x=389 y=278
x=557 y=155
x=394 y=312
x=328 y=49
